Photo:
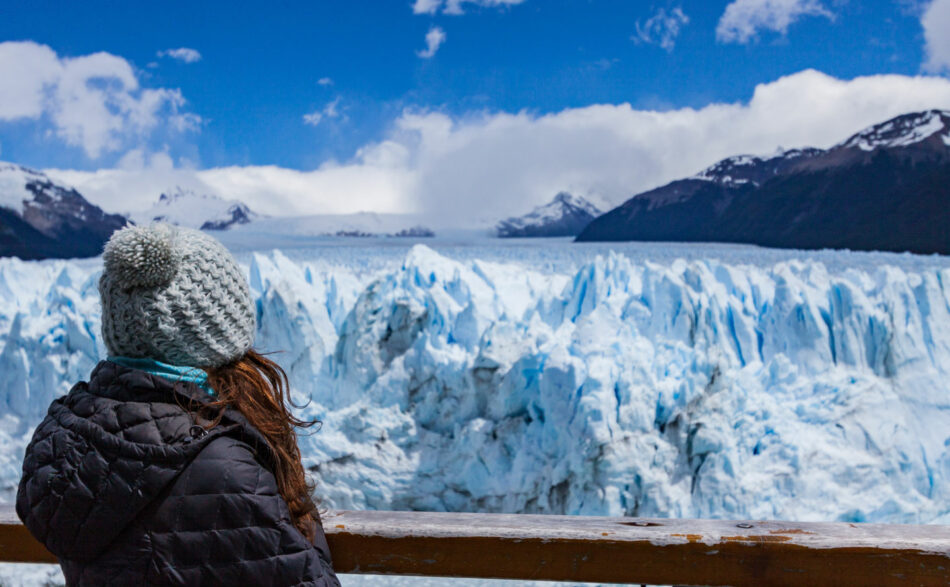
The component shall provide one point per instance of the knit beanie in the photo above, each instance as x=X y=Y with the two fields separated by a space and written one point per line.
x=175 y=295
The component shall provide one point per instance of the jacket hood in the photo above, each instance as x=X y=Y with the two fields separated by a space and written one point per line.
x=106 y=450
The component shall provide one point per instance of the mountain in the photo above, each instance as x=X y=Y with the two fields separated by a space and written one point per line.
x=565 y=215
x=885 y=188
x=184 y=207
x=40 y=219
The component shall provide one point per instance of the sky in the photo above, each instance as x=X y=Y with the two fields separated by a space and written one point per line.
x=453 y=108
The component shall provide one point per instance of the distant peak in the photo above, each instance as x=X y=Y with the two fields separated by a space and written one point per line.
x=187 y=207
x=902 y=131
x=566 y=214
x=570 y=200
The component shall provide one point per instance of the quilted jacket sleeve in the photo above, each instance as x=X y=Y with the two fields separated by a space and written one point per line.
x=222 y=522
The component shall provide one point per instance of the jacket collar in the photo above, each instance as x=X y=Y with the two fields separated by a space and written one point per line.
x=166 y=370
x=122 y=383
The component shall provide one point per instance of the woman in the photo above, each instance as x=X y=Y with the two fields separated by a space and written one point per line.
x=177 y=463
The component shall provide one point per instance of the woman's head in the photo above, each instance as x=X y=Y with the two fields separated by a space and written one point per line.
x=175 y=295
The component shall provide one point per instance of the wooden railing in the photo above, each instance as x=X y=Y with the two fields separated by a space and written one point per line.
x=611 y=550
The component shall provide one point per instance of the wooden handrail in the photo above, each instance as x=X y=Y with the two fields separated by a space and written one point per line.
x=611 y=550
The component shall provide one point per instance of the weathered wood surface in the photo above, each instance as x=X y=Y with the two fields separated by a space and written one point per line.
x=635 y=550
x=17 y=545
x=612 y=550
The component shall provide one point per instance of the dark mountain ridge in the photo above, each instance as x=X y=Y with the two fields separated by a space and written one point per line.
x=40 y=219
x=884 y=188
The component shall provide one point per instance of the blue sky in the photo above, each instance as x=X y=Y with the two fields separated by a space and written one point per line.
x=261 y=64
x=358 y=69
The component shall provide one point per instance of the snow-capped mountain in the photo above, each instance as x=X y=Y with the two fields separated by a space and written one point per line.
x=41 y=219
x=751 y=169
x=565 y=215
x=884 y=188
x=185 y=207
x=904 y=131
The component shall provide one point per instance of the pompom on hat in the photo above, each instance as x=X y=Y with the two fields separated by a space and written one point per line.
x=175 y=295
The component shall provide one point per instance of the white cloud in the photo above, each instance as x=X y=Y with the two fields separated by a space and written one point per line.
x=325 y=81
x=183 y=54
x=329 y=111
x=936 y=23
x=378 y=179
x=491 y=165
x=27 y=71
x=662 y=28
x=743 y=19
x=93 y=102
x=434 y=39
x=313 y=118
x=455 y=6
x=426 y=6
x=129 y=186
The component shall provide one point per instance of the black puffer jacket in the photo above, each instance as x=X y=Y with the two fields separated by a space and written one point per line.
x=123 y=488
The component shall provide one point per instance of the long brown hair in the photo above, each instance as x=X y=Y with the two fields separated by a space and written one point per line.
x=258 y=388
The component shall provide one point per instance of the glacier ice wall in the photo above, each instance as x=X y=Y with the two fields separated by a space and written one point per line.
x=688 y=388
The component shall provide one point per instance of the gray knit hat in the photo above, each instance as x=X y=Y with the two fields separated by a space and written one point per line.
x=175 y=295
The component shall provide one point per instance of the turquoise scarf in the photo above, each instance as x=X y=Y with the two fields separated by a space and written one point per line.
x=171 y=372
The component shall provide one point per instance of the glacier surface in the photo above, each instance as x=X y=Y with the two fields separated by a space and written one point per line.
x=686 y=384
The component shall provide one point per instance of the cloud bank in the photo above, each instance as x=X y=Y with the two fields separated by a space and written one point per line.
x=93 y=102
x=488 y=165
x=743 y=19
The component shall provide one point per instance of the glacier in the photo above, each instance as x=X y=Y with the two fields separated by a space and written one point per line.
x=697 y=382
x=696 y=389
x=685 y=388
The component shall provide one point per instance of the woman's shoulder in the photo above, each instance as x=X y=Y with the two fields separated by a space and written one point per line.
x=227 y=464
x=129 y=405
